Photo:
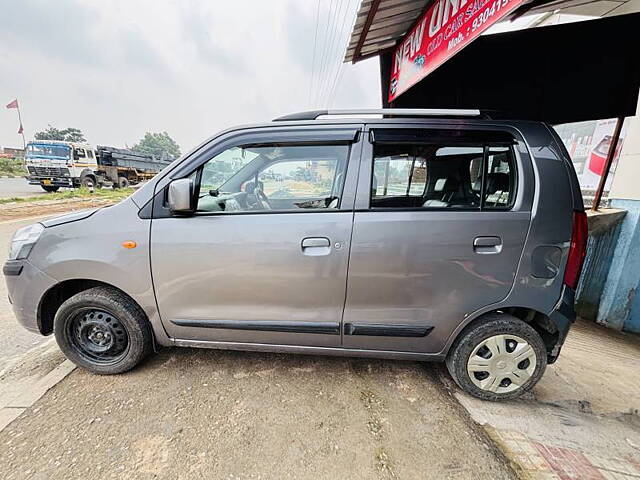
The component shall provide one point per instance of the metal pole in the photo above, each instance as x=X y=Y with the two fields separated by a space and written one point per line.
x=24 y=144
x=607 y=165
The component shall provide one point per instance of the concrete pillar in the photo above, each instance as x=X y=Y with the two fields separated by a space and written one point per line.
x=620 y=302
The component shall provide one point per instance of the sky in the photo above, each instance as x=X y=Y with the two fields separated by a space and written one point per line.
x=120 y=68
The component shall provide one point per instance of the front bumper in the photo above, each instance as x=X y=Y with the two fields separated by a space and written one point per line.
x=563 y=316
x=50 y=181
x=26 y=286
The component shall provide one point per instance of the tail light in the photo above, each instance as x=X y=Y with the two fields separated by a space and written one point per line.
x=577 y=250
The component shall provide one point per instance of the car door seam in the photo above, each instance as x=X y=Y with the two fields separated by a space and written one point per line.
x=353 y=215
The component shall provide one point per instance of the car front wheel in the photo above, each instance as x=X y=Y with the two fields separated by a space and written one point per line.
x=103 y=331
x=498 y=358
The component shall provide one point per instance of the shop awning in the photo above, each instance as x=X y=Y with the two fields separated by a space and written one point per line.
x=381 y=24
x=561 y=73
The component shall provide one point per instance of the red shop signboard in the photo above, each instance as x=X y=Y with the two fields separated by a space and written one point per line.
x=443 y=30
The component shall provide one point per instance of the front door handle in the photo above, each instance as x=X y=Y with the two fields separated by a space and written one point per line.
x=484 y=245
x=315 y=246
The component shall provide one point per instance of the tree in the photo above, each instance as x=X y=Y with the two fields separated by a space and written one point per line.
x=160 y=145
x=69 y=134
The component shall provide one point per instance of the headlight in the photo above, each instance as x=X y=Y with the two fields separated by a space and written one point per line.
x=24 y=240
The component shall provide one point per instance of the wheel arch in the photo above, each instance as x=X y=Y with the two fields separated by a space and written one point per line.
x=541 y=323
x=87 y=172
x=62 y=291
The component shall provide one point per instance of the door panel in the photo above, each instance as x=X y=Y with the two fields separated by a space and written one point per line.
x=251 y=265
x=247 y=278
x=420 y=270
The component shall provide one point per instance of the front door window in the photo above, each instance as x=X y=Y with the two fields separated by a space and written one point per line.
x=273 y=178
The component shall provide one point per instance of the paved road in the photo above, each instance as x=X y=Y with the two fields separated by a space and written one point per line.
x=18 y=187
x=14 y=339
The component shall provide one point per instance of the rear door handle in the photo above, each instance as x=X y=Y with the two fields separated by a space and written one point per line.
x=485 y=245
x=315 y=246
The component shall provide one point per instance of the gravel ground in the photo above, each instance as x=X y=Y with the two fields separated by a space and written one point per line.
x=14 y=340
x=190 y=413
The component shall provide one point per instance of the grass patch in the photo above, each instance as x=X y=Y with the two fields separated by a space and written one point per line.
x=104 y=193
x=12 y=167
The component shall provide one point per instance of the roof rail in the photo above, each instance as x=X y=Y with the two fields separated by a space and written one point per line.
x=397 y=112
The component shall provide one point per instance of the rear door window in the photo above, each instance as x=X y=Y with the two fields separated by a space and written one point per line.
x=426 y=176
x=454 y=174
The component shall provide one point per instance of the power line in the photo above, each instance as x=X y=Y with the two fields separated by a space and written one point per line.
x=330 y=63
x=331 y=85
x=313 y=62
x=338 y=77
x=324 y=50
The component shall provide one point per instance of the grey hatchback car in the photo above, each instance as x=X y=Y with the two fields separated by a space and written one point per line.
x=441 y=235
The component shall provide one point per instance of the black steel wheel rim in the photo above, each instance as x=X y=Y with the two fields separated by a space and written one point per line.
x=98 y=336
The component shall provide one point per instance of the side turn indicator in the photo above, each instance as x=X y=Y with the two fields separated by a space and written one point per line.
x=129 y=244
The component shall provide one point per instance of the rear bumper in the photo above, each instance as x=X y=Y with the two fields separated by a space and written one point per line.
x=563 y=316
x=26 y=286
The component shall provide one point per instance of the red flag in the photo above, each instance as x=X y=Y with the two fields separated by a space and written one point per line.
x=20 y=130
x=13 y=104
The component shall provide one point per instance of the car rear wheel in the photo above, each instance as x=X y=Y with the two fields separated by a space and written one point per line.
x=498 y=358
x=103 y=331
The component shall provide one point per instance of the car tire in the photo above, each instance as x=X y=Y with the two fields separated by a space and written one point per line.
x=50 y=188
x=499 y=357
x=103 y=331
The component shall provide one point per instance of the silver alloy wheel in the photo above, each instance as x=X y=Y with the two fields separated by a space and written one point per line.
x=501 y=363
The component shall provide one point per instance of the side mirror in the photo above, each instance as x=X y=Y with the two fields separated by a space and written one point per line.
x=180 y=196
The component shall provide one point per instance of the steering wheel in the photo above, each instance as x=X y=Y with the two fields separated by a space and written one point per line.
x=262 y=199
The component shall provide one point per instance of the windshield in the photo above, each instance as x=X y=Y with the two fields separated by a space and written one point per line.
x=48 y=150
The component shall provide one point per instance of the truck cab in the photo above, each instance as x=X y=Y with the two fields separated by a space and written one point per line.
x=53 y=164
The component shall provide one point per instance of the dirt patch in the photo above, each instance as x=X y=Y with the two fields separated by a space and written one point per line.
x=151 y=454
x=217 y=414
x=14 y=211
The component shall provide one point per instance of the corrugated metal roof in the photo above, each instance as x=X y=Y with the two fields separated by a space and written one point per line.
x=383 y=23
